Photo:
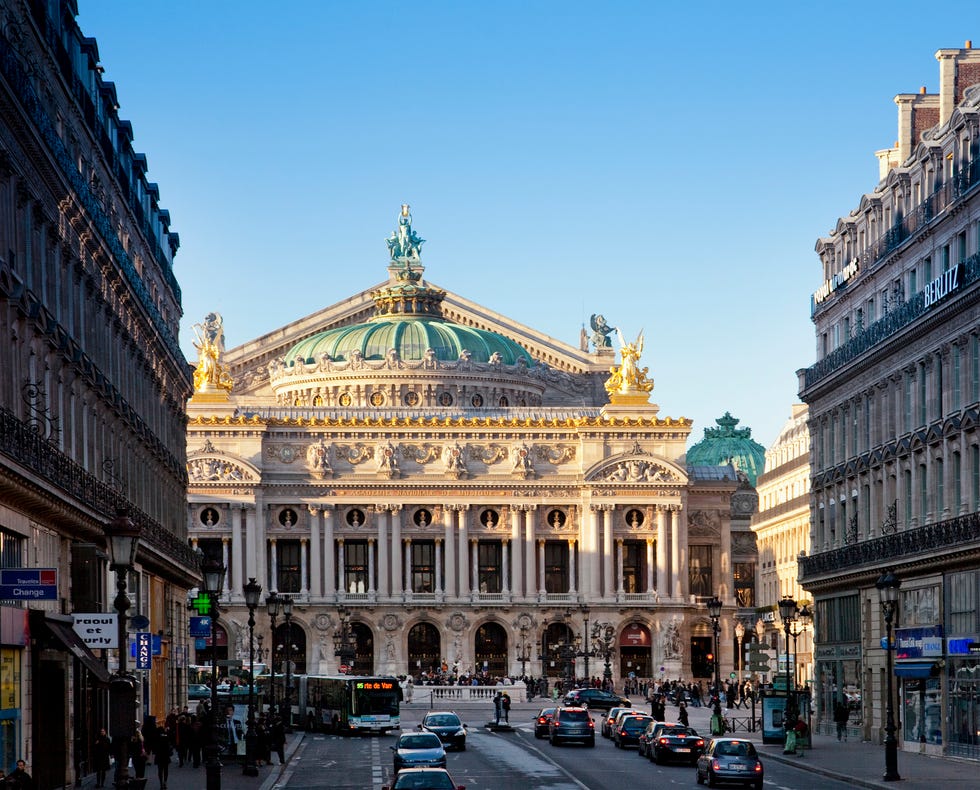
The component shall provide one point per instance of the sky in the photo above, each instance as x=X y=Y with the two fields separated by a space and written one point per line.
x=670 y=166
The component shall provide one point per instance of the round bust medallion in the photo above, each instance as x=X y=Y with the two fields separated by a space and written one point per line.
x=445 y=399
x=377 y=398
x=556 y=519
x=634 y=518
x=355 y=517
x=477 y=401
x=346 y=399
x=422 y=518
x=411 y=399
x=490 y=518
x=288 y=517
x=210 y=516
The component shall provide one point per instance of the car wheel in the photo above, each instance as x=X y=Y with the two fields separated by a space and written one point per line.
x=462 y=746
x=617 y=743
x=712 y=782
x=553 y=742
x=758 y=785
x=697 y=775
x=591 y=742
x=657 y=758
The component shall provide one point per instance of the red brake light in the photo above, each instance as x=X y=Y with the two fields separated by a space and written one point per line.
x=592 y=724
x=758 y=767
x=700 y=742
x=663 y=740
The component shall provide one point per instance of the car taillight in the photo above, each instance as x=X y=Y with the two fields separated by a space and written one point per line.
x=716 y=765
x=622 y=733
x=591 y=724
x=663 y=741
x=700 y=743
x=758 y=767
x=542 y=720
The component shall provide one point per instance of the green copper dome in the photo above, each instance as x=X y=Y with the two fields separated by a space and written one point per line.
x=411 y=337
x=728 y=444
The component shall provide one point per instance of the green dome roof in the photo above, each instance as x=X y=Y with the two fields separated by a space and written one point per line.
x=728 y=444
x=411 y=337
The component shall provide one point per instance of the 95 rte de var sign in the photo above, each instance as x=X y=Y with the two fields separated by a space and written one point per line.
x=35 y=584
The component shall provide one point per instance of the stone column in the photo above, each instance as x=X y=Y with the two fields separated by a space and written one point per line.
x=464 y=547
x=571 y=566
x=680 y=515
x=407 y=594
x=226 y=559
x=620 y=590
x=316 y=575
x=517 y=587
x=273 y=565
x=530 y=511
x=371 y=567
x=381 y=515
x=448 y=520
x=252 y=552
x=505 y=567
x=650 y=565
x=396 y=551
x=236 y=551
x=592 y=551
x=607 y=552
x=676 y=569
x=330 y=578
x=439 y=591
x=475 y=562
x=542 y=587
x=341 y=569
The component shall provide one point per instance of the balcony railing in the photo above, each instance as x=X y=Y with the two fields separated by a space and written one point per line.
x=33 y=452
x=956 y=532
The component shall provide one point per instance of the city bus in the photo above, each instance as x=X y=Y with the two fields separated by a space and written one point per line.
x=349 y=704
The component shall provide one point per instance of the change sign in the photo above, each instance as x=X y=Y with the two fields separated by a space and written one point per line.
x=33 y=584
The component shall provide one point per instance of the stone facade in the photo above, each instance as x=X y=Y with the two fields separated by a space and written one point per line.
x=93 y=386
x=894 y=399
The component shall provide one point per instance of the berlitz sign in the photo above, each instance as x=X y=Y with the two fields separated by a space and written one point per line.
x=943 y=285
x=97 y=630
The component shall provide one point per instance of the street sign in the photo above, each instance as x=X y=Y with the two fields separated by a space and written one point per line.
x=139 y=622
x=200 y=626
x=33 y=584
x=98 y=629
x=344 y=668
x=144 y=650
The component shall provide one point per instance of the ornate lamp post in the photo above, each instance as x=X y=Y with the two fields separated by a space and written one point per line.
x=524 y=652
x=787 y=613
x=261 y=652
x=253 y=594
x=213 y=572
x=344 y=647
x=602 y=640
x=800 y=624
x=272 y=606
x=122 y=537
x=588 y=647
x=740 y=660
x=714 y=612
x=888 y=584
x=287 y=613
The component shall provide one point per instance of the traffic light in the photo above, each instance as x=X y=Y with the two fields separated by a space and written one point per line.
x=709 y=661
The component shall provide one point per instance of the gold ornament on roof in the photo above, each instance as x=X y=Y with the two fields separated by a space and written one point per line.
x=628 y=383
x=210 y=375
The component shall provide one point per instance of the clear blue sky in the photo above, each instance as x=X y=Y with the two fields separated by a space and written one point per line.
x=668 y=165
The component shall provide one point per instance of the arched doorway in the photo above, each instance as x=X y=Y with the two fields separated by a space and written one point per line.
x=203 y=652
x=490 y=650
x=364 y=640
x=296 y=652
x=424 y=649
x=634 y=651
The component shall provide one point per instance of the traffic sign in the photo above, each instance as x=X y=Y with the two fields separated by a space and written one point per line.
x=344 y=668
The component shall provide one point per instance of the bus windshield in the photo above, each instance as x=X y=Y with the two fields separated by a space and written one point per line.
x=370 y=702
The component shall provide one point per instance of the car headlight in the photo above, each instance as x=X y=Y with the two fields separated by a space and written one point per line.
x=460 y=732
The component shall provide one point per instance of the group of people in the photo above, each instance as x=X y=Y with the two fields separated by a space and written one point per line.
x=18 y=779
x=182 y=737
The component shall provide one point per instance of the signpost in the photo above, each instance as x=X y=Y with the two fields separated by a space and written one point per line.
x=29 y=584
x=144 y=650
x=760 y=658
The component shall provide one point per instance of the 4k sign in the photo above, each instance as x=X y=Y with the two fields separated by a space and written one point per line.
x=144 y=650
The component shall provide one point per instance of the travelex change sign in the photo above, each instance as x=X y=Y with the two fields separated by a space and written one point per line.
x=34 y=584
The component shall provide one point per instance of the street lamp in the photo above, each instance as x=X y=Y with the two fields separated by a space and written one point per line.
x=714 y=612
x=800 y=624
x=787 y=613
x=272 y=606
x=740 y=660
x=603 y=635
x=213 y=572
x=524 y=653
x=122 y=537
x=888 y=584
x=588 y=647
x=344 y=646
x=261 y=652
x=253 y=594
x=287 y=613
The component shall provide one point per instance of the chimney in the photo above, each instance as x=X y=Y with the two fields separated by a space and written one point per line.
x=958 y=70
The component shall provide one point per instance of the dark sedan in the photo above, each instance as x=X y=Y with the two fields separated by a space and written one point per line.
x=424 y=779
x=447 y=726
x=595 y=699
x=419 y=750
x=627 y=731
x=730 y=760
x=650 y=735
x=677 y=743
x=542 y=723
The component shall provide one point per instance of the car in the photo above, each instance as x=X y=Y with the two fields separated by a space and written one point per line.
x=447 y=725
x=423 y=779
x=198 y=691
x=418 y=750
x=595 y=698
x=610 y=719
x=730 y=760
x=572 y=724
x=650 y=734
x=542 y=722
x=677 y=743
x=628 y=729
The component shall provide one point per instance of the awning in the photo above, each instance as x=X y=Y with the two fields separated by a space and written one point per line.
x=65 y=634
x=915 y=669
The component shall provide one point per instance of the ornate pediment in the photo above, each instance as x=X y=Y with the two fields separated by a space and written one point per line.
x=635 y=470
x=703 y=524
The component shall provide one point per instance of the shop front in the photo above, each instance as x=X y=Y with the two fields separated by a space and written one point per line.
x=838 y=681
x=918 y=657
x=963 y=695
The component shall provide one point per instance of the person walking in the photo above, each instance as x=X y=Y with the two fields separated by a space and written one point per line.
x=841 y=714
x=505 y=706
x=101 y=750
x=277 y=739
x=682 y=716
x=498 y=706
x=19 y=779
x=162 y=754
x=137 y=750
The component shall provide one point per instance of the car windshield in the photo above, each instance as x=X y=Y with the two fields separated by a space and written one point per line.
x=634 y=724
x=547 y=712
x=679 y=731
x=735 y=749
x=424 y=780
x=442 y=720
x=426 y=741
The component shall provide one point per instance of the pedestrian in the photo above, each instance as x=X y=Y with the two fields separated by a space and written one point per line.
x=19 y=779
x=262 y=750
x=101 y=750
x=194 y=741
x=162 y=752
x=277 y=738
x=841 y=714
x=183 y=738
x=137 y=750
x=505 y=705
x=682 y=716
x=498 y=706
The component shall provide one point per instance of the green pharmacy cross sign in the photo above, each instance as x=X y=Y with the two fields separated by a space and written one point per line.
x=202 y=603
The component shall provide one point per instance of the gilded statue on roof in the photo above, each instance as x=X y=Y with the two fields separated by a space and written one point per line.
x=628 y=383
x=210 y=375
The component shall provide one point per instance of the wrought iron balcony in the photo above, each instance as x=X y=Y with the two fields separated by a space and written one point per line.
x=959 y=533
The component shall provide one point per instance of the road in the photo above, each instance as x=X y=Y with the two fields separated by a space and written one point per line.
x=514 y=759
